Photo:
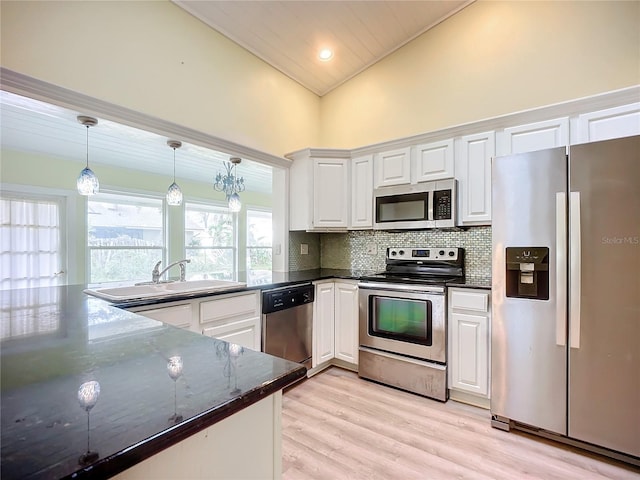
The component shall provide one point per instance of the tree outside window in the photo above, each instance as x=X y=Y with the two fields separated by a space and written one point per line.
x=210 y=244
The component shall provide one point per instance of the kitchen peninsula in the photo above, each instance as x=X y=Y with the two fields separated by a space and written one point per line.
x=157 y=388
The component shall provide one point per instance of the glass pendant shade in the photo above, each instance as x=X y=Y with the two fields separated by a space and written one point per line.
x=235 y=205
x=174 y=195
x=87 y=182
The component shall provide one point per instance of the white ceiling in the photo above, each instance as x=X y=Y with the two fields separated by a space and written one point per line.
x=31 y=126
x=289 y=34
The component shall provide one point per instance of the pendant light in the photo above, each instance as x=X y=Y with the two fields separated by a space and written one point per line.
x=87 y=182
x=174 y=194
x=231 y=184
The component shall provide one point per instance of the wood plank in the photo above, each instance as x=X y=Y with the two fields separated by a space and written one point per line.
x=336 y=425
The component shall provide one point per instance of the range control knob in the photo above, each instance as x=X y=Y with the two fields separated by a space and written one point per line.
x=401 y=252
x=393 y=253
x=451 y=253
x=441 y=253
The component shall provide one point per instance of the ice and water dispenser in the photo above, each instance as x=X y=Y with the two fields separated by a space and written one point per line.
x=528 y=272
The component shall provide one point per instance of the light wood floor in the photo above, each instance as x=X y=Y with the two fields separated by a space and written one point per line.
x=338 y=426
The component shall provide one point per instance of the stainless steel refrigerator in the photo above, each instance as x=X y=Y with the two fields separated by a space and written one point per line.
x=565 y=330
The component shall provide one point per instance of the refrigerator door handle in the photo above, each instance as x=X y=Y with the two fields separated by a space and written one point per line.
x=561 y=269
x=575 y=274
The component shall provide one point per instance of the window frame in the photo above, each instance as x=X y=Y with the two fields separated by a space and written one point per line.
x=213 y=206
x=35 y=194
x=248 y=248
x=129 y=193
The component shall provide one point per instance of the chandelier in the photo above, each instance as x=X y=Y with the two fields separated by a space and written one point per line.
x=231 y=184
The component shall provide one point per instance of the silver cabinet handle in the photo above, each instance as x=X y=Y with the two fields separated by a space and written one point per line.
x=575 y=273
x=561 y=269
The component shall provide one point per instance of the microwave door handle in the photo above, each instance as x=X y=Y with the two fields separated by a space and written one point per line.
x=430 y=206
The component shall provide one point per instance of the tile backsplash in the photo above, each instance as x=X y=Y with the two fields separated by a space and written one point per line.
x=351 y=250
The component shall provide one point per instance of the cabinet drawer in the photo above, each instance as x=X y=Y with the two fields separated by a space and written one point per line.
x=468 y=300
x=245 y=305
x=177 y=315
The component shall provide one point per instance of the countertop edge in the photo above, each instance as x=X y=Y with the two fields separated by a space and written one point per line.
x=133 y=455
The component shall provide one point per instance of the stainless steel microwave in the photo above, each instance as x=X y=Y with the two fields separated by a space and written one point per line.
x=414 y=207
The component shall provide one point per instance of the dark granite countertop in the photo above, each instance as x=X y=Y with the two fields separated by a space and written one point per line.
x=269 y=280
x=56 y=339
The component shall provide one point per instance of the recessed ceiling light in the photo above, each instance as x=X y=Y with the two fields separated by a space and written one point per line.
x=325 y=54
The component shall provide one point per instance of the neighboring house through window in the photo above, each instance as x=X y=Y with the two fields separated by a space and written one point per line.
x=125 y=236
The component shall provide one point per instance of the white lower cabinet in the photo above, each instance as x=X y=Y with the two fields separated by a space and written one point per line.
x=176 y=315
x=335 y=324
x=233 y=318
x=323 y=324
x=346 y=321
x=469 y=345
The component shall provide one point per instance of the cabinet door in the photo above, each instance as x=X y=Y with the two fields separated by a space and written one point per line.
x=392 y=168
x=473 y=172
x=323 y=324
x=433 y=161
x=533 y=136
x=611 y=123
x=330 y=192
x=469 y=356
x=346 y=322
x=244 y=332
x=177 y=315
x=361 y=192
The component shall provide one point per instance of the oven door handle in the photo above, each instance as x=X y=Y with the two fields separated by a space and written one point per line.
x=401 y=287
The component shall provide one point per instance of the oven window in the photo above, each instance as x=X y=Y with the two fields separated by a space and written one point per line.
x=397 y=208
x=401 y=319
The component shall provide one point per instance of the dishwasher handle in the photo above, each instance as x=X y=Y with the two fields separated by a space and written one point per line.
x=288 y=297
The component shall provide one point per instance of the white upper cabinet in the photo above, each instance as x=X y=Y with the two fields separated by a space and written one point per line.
x=330 y=192
x=533 y=136
x=433 y=161
x=361 y=192
x=606 y=124
x=473 y=172
x=392 y=168
x=319 y=190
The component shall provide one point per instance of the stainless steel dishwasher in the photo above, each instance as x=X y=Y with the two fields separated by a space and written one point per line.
x=287 y=321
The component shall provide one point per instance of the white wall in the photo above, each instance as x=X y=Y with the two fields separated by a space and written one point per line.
x=153 y=57
x=490 y=59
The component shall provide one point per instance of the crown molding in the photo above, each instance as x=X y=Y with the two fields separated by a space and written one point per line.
x=578 y=106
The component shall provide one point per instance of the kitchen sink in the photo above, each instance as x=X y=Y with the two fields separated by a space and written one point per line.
x=162 y=290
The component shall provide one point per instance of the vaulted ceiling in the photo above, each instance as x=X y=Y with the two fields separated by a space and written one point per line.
x=289 y=34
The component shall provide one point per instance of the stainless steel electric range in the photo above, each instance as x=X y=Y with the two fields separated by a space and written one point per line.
x=403 y=320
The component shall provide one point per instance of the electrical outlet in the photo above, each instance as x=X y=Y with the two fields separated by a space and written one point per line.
x=304 y=249
x=278 y=249
x=372 y=248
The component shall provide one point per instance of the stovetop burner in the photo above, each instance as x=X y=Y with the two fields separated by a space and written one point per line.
x=432 y=266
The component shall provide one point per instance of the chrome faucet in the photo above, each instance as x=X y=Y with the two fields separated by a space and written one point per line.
x=156 y=274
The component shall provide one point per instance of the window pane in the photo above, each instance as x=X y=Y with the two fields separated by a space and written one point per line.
x=125 y=237
x=119 y=265
x=119 y=220
x=259 y=229
x=31 y=229
x=259 y=258
x=210 y=263
x=208 y=226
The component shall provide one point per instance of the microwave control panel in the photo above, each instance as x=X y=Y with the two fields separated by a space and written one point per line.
x=442 y=204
